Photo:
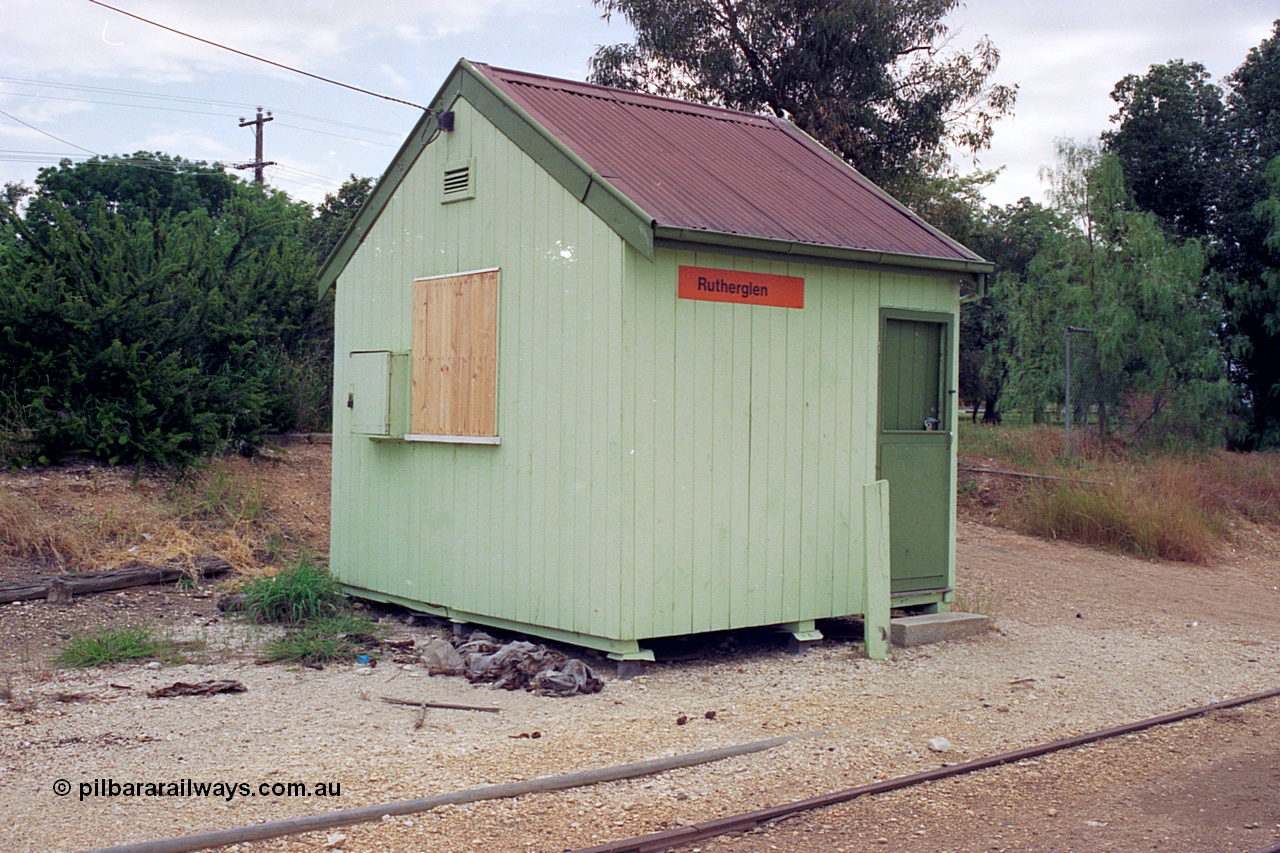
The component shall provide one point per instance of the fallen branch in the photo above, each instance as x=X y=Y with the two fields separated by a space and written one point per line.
x=202 y=688
x=143 y=574
x=391 y=700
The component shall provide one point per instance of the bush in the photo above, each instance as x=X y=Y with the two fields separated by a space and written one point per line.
x=300 y=593
x=156 y=337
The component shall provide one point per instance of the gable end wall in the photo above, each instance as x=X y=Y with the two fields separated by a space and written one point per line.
x=527 y=530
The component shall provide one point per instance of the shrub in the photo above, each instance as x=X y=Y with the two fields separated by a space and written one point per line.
x=300 y=593
x=158 y=337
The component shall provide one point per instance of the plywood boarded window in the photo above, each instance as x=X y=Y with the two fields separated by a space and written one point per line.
x=455 y=356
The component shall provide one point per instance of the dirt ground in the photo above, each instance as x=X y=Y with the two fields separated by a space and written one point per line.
x=1083 y=640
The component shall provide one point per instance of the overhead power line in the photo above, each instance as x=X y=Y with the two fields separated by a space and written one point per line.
x=133 y=93
x=303 y=128
x=258 y=58
x=46 y=133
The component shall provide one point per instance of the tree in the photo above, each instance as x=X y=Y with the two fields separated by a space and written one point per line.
x=1011 y=237
x=154 y=336
x=336 y=213
x=1115 y=270
x=1247 y=252
x=1263 y=307
x=878 y=82
x=136 y=185
x=1198 y=160
x=1171 y=142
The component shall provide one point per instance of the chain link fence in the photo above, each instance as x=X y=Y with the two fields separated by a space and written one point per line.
x=1086 y=401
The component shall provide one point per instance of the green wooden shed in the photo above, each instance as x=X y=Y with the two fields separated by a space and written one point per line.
x=611 y=367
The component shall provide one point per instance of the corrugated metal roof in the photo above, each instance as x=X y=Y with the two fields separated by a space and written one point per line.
x=709 y=169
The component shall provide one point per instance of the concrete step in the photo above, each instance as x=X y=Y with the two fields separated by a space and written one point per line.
x=907 y=631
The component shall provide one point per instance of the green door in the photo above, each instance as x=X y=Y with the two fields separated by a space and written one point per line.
x=914 y=450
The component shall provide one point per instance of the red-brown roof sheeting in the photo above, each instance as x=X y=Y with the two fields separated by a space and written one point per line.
x=704 y=168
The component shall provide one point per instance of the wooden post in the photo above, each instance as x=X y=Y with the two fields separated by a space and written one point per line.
x=875 y=576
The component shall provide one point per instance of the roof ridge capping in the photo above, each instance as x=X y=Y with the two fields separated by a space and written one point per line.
x=647 y=100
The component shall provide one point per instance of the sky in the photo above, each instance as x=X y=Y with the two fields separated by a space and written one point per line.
x=77 y=78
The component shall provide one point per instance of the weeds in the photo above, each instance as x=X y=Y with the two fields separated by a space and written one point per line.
x=1126 y=517
x=112 y=645
x=978 y=598
x=330 y=638
x=218 y=493
x=27 y=532
x=302 y=592
x=322 y=625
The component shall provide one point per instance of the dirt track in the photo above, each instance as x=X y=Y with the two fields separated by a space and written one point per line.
x=1085 y=640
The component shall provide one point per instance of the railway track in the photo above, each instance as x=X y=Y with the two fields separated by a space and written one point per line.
x=687 y=835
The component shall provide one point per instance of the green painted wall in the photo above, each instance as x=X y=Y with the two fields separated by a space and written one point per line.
x=524 y=529
x=754 y=432
x=666 y=466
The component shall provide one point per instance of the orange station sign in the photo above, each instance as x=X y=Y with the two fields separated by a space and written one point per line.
x=747 y=288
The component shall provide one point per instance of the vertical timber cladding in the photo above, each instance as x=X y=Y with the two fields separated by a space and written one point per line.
x=747 y=444
x=455 y=355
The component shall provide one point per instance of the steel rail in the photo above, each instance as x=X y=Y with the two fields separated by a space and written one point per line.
x=680 y=836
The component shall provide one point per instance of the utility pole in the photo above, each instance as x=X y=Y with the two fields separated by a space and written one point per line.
x=258 y=163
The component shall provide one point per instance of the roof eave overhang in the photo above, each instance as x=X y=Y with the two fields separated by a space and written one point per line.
x=385 y=188
x=588 y=186
x=961 y=268
x=624 y=216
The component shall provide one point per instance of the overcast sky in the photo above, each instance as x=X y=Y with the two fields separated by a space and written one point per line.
x=101 y=82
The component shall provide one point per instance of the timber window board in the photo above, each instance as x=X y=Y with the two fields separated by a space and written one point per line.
x=455 y=439
x=454 y=389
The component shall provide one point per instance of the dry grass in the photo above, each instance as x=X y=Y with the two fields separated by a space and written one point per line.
x=29 y=533
x=72 y=518
x=1244 y=484
x=1128 y=517
x=1174 y=507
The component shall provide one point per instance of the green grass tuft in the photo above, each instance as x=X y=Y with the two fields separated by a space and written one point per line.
x=111 y=645
x=300 y=593
x=330 y=638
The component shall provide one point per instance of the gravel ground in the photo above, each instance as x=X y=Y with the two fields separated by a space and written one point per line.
x=1210 y=784
x=1083 y=640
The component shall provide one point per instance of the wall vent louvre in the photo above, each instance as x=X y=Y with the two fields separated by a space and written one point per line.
x=459 y=181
